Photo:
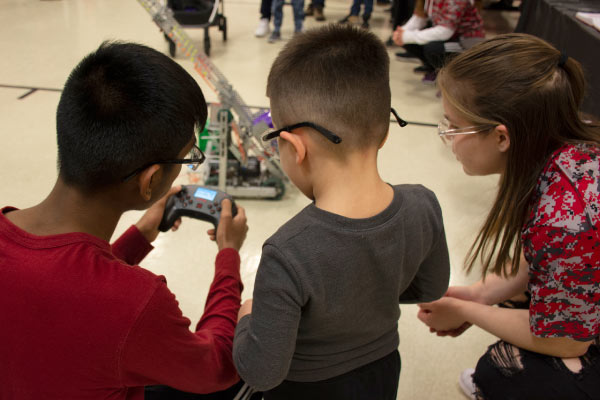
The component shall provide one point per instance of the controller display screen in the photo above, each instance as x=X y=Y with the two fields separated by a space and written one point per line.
x=207 y=194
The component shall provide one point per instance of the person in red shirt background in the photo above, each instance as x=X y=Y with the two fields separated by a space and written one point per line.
x=512 y=108
x=80 y=320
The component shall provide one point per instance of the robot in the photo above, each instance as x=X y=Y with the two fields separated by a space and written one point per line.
x=238 y=162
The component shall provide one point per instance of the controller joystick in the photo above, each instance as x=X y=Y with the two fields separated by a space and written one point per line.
x=196 y=202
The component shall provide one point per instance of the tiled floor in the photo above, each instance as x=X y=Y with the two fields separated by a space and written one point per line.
x=41 y=41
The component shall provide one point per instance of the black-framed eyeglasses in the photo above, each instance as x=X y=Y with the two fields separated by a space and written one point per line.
x=194 y=158
x=323 y=131
x=400 y=121
x=332 y=137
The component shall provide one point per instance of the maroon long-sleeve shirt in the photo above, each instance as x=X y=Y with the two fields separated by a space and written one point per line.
x=78 y=320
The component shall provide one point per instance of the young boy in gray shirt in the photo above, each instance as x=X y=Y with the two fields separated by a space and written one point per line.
x=324 y=319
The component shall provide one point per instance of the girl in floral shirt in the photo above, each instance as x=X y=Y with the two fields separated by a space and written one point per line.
x=511 y=107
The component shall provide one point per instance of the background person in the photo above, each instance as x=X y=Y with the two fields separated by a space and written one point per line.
x=455 y=26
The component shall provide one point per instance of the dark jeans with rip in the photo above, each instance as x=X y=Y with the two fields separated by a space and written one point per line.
x=506 y=372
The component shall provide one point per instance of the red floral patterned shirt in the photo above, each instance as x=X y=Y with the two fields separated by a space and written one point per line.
x=458 y=15
x=561 y=242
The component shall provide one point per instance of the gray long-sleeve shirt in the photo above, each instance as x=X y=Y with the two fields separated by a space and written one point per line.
x=328 y=287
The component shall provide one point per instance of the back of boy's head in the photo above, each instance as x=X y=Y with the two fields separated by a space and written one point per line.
x=123 y=106
x=337 y=77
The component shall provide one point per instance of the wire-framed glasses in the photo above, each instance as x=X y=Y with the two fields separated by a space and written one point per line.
x=447 y=134
x=193 y=159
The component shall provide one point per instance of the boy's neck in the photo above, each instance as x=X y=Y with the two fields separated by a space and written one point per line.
x=68 y=210
x=353 y=190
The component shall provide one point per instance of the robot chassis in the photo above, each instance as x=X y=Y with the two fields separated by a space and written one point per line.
x=244 y=166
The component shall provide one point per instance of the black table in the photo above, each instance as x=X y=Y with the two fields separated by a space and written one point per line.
x=555 y=22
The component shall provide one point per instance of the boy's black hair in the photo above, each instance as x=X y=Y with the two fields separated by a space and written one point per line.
x=338 y=77
x=123 y=106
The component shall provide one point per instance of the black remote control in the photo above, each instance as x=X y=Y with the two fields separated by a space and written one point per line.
x=196 y=202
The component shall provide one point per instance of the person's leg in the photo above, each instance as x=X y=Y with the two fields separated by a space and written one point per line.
x=367 y=13
x=508 y=372
x=377 y=380
x=298 y=6
x=265 y=16
x=352 y=18
x=435 y=54
x=402 y=12
x=417 y=51
x=355 y=9
x=318 y=6
x=277 y=13
x=265 y=9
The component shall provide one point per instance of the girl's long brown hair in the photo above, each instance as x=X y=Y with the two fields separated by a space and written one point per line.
x=524 y=83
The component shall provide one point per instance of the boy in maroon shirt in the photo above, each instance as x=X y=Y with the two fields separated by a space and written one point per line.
x=79 y=319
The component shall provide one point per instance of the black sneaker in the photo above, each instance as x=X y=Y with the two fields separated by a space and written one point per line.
x=422 y=69
x=404 y=54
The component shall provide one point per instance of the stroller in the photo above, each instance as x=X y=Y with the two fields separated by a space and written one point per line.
x=198 y=14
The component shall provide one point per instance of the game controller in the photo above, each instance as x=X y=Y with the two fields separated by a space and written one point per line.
x=197 y=202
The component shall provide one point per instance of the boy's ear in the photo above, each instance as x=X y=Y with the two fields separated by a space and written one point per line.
x=384 y=139
x=502 y=138
x=147 y=181
x=297 y=143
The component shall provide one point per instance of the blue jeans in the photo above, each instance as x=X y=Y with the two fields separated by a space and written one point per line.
x=277 y=12
x=355 y=10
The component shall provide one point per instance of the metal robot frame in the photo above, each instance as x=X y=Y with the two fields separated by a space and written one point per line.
x=270 y=184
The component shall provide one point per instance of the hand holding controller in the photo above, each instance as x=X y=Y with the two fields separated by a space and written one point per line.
x=196 y=202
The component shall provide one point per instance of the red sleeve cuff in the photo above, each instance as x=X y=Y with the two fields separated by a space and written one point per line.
x=228 y=263
x=131 y=246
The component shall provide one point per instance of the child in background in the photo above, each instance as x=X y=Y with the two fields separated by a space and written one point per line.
x=324 y=320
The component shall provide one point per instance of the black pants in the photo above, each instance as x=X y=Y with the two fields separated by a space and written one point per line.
x=265 y=9
x=402 y=10
x=377 y=380
x=167 y=393
x=509 y=373
x=433 y=54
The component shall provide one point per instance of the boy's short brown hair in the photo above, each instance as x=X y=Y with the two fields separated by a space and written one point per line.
x=337 y=77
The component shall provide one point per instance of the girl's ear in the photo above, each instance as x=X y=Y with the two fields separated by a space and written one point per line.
x=502 y=138
x=147 y=180
x=297 y=144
